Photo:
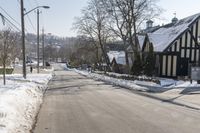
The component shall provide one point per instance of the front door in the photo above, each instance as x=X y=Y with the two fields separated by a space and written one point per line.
x=182 y=68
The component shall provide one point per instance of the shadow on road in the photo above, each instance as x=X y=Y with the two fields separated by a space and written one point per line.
x=191 y=91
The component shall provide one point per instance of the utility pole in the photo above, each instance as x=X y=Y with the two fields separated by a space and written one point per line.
x=43 y=47
x=23 y=39
x=38 y=41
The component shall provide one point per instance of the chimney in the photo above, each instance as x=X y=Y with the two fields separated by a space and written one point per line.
x=149 y=24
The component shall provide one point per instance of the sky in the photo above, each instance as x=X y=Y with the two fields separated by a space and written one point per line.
x=59 y=18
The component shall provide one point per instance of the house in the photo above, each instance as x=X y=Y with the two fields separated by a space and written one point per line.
x=118 y=61
x=175 y=45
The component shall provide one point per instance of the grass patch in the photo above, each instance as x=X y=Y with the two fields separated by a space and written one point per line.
x=8 y=71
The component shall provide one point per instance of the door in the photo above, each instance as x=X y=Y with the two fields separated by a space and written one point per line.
x=182 y=67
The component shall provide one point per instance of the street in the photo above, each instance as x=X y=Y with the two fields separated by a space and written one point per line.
x=76 y=104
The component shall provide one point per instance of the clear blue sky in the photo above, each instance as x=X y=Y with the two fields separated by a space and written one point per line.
x=59 y=18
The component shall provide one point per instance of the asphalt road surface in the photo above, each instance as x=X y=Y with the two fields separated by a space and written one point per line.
x=76 y=104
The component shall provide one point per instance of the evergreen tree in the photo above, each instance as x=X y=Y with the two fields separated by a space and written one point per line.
x=149 y=62
x=137 y=64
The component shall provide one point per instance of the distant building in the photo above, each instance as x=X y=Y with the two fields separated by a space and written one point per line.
x=118 y=61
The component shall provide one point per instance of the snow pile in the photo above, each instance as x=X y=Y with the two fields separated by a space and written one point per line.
x=141 y=85
x=184 y=84
x=20 y=100
x=120 y=82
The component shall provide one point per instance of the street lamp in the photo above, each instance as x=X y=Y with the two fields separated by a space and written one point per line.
x=38 y=32
x=45 y=7
x=23 y=34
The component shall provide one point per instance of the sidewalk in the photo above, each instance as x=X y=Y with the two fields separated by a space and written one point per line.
x=185 y=96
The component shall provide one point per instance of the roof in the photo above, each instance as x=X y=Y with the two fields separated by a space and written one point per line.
x=166 y=35
x=118 y=55
x=149 y=21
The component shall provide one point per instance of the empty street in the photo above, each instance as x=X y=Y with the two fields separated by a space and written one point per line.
x=76 y=104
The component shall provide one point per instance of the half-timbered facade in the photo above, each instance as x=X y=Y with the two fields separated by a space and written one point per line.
x=176 y=45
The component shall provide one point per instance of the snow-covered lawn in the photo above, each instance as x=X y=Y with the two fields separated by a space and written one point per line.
x=165 y=84
x=20 y=100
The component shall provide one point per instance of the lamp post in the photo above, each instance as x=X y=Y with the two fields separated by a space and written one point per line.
x=38 y=32
x=23 y=33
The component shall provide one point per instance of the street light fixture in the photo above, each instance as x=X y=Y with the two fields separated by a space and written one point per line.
x=23 y=33
x=45 y=7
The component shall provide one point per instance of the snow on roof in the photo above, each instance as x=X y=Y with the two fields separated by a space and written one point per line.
x=118 y=55
x=164 y=36
x=141 y=39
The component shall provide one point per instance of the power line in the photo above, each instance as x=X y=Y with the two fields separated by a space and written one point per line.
x=9 y=22
x=29 y=20
x=33 y=27
x=10 y=16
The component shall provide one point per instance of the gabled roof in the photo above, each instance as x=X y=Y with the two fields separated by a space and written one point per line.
x=166 y=35
x=118 y=55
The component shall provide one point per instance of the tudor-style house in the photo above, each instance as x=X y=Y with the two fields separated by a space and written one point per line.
x=175 y=45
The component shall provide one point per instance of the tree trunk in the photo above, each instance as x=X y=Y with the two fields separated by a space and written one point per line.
x=4 y=72
x=103 y=51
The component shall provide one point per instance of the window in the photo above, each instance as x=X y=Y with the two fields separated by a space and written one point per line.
x=178 y=46
x=188 y=39
x=188 y=53
x=183 y=41
x=173 y=48
x=197 y=56
x=192 y=58
x=182 y=53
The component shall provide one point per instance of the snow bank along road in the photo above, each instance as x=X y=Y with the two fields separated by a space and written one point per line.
x=76 y=104
x=20 y=100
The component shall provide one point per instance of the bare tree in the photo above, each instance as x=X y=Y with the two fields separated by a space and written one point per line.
x=50 y=53
x=7 y=49
x=117 y=23
x=128 y=15
x=93 y=24
x=83 y=53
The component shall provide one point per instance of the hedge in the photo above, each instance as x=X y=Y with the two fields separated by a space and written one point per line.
x=8 y=71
